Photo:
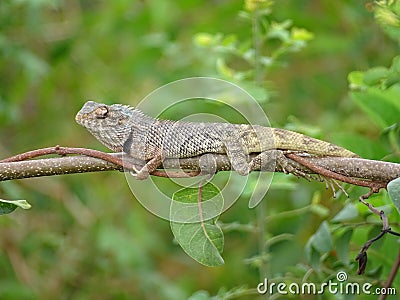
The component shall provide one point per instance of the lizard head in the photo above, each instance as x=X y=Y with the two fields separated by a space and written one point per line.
x=110 y=124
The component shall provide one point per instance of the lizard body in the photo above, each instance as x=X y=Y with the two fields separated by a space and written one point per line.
x=123 y=128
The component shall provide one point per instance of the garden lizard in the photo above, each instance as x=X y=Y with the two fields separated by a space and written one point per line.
x=124 y=128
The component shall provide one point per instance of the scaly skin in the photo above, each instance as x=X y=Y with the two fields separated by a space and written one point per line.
x=123 y=128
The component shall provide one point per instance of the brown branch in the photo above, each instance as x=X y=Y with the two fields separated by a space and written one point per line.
x=88 y=160
x=117 y=162
x=359 y=168
x=375 y=186
x=375 y=173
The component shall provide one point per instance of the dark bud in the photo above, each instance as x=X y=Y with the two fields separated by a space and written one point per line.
x=362 y=262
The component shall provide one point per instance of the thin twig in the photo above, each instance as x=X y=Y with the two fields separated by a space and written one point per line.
x=362 y=257
x=63 y=151
x=392 y=276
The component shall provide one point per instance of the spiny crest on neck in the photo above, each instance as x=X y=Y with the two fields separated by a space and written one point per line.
x=127 y=108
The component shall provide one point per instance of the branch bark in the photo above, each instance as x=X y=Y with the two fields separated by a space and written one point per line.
x=10 y=169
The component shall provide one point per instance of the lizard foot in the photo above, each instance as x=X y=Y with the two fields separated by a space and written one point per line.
x=148 y=168
x=289 y=166
x=139 y=174
x=268 y=160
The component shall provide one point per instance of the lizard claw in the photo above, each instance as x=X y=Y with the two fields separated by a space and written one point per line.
x=288 y=168
x=139 y=174
x=267 y=161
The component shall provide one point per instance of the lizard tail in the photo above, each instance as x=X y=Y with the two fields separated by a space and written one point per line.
x=289 y=140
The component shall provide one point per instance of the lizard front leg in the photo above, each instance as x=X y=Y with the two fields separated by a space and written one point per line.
x=237 y=155
x=149 y=167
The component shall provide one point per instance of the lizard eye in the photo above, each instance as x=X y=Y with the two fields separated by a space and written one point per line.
x=101 y=112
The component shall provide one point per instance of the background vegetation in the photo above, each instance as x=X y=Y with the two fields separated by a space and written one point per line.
x=86 y=237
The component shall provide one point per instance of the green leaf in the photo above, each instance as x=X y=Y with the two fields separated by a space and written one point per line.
x=381 y=106
x=280 y=31
x=396 y=65
x=257 y=92
x=348 y=212
x=392 y=79
x=200 y=295
x=313 y=256
x=204 y=244
x=8 y=206
x=223 y=68
x=342 y=246
x=393 y=188
x=197 y=233
x=375 y=75
x=301 y=34
x=356 y=80
x=203 y=39
x=374 y=232
x=320 y=242
x=319 y=210
x=229 y=40
x=257 y=5
x=322 y=239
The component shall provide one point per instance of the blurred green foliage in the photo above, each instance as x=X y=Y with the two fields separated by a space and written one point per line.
x=86 y=237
